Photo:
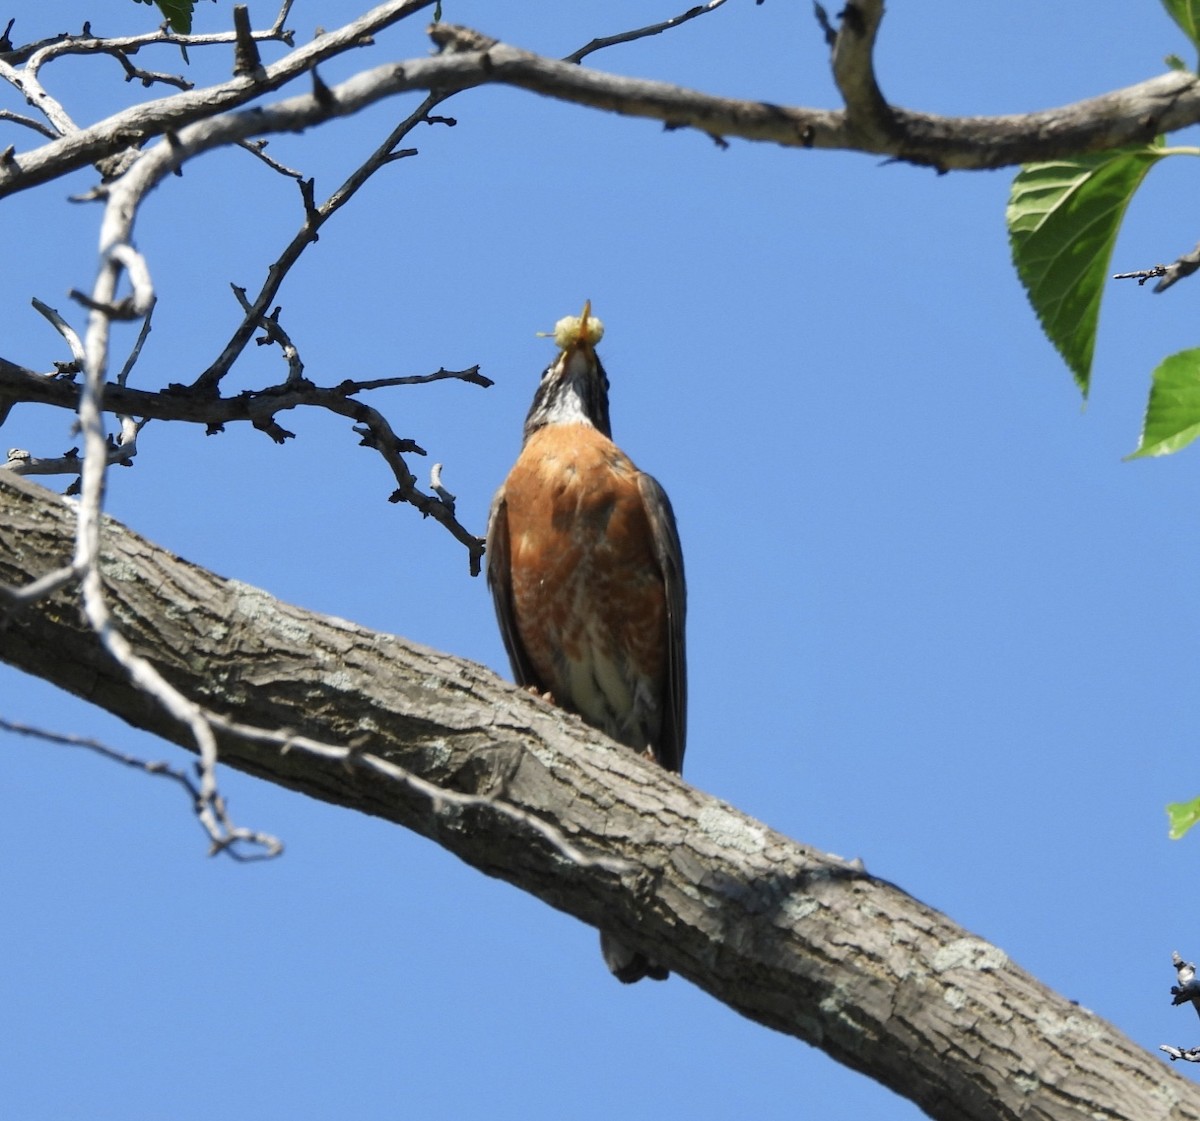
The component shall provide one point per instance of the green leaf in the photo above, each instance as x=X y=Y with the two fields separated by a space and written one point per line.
x=1174 y=62
x=178 y=13
x=1182 y=816
x=1173 y=410
x=1186 y=13
x=1063 y=219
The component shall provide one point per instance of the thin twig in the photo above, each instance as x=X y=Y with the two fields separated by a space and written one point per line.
x=155 y=118
x=642 y=32
x=28 y=122
x=149 y=77
x=26 y=81
x=277 y=28
x=275 y=333
x=36 y=55
x=63 y=328
x=258 y=148
x=225 y=841
x=118 y=258
x=136 y=352
x=471 y=375
x=1141 y=275
x=314 y=218
x=435 y=485
x=120 y=451
x=15 y=599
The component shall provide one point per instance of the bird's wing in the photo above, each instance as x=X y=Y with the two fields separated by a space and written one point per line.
x=669 y=553
x=499 y=578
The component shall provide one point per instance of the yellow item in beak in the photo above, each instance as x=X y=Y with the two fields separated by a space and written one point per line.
x=572 y=330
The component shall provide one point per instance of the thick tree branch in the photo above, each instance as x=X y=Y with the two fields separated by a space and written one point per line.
x=799 y=941
x=1134 y=114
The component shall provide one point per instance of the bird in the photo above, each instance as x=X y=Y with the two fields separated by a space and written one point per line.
x=586 y=573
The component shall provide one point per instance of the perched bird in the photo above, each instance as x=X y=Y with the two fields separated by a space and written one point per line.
x=586 y=571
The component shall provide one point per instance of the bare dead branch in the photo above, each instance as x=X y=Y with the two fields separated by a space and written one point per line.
x=258 y=148
x=26 y=83
x=435 y=485
x=120 y=258
x=63 y=328
x=149 y=78
x=141 y=123
x=277 y=28
x=121 y=450
x=600 y=44
x=471 y=375
x=27 y=122
x=314 y=218
x=274 y=333
x=136 y=269
x=136 y=352
x=181 y=403
x=260 y=409
x=1162 y=104
x=377 y=433
x=1134 y=114
x=58 y=46
x=246 y=60
x=1141 y=275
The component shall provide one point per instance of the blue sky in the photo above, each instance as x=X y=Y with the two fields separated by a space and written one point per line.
x=935 y=621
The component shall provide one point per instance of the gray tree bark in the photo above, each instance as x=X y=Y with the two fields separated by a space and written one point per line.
x=794 y=939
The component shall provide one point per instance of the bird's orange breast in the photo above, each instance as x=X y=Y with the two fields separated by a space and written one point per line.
x=588 y=596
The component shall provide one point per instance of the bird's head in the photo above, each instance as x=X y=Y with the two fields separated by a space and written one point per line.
x=574 y=387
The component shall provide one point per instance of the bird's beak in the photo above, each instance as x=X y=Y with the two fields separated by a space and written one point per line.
x=584 y=342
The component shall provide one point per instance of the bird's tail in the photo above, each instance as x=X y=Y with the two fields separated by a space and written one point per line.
x=628 y=965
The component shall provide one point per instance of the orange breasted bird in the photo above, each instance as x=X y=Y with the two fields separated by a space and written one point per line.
x=586 y=571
